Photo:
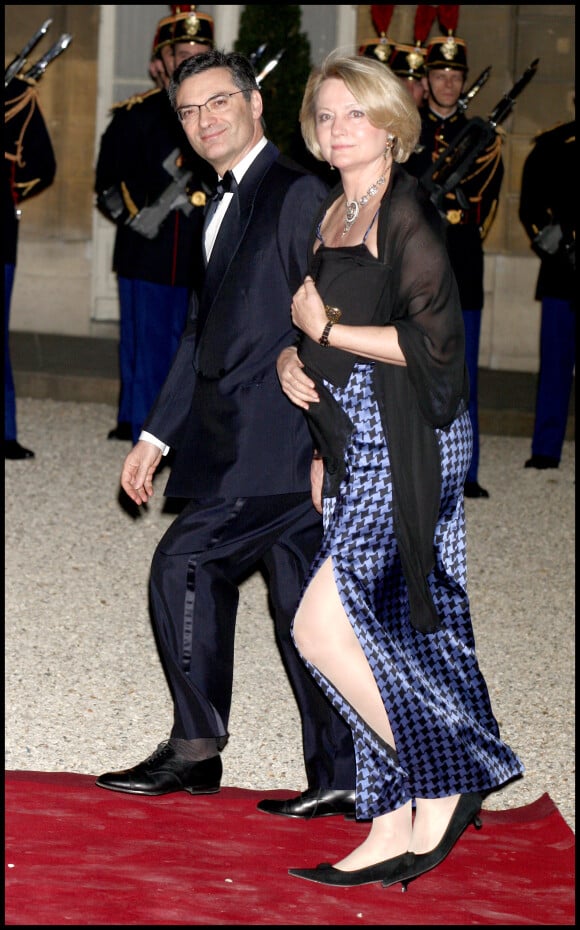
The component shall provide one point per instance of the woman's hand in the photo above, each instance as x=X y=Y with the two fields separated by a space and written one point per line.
x=297 y=386
x=308 y=312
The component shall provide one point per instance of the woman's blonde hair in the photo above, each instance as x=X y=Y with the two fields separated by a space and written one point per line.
x=387 y=104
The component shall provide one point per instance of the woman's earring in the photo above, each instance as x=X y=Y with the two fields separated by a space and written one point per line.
x=391 y=139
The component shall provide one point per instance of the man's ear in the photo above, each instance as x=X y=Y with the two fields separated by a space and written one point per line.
x=257 y=104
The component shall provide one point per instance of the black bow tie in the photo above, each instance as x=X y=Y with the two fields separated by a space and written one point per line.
x=227 y=184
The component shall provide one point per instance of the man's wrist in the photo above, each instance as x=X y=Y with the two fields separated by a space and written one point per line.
x=149 y=437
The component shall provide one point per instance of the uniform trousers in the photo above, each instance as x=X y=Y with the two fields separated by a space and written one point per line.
x=197 y=567
x=557 y=363
x=152 y=320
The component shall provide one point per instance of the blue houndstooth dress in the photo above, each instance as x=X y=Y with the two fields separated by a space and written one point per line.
x=447 y=739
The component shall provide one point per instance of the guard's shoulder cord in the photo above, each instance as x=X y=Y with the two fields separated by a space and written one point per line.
x=130 y=102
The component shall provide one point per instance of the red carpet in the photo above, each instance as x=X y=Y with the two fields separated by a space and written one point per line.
x=78 y=855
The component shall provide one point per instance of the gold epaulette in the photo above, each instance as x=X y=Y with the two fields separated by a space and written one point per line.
x=134 y=99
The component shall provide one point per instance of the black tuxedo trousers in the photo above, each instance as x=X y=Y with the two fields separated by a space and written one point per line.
x=196 y=571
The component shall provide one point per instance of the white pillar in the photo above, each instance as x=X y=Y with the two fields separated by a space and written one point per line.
x=226 y=18
x=346 y=28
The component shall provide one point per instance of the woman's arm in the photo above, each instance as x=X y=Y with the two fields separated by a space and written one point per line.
x=379 y=343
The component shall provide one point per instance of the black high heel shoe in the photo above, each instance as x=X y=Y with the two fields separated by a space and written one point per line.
x=387 y=871
x=466 y=812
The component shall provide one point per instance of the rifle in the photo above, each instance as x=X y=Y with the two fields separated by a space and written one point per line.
x=255 y=56
x=148 y=220
x=454 y=163
x=269 y=67
x=38 y=69
x=466 y=98
x=20 y=60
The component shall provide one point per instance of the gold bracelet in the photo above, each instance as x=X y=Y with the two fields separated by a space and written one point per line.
x=323 y=341
x=332 y=313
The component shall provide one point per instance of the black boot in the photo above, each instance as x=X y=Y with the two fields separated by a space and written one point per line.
x=13 y=450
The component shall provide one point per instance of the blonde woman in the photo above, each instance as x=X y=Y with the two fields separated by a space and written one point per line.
x=384 y=622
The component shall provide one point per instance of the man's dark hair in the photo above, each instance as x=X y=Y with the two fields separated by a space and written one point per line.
x=242 y=72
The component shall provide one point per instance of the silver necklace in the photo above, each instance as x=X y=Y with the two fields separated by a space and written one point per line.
x=352 y=208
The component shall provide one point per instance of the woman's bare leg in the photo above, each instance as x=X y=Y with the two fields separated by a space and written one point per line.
x=325 y=637
x=432 y=816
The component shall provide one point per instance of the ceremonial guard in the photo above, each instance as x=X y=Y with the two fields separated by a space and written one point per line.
x=469 y=209
x=406 y=61
x=548 y=213
x=29 y=168
x=380 y=46
x=151 y=184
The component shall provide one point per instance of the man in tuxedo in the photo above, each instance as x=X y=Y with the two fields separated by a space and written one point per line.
x=242 y=452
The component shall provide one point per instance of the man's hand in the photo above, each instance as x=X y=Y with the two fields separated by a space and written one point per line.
x=297 y=386
x=138 y=470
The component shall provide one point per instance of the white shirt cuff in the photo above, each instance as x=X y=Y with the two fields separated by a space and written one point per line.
x=148 y=437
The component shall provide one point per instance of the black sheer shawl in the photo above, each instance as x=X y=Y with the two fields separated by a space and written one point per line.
x=420 y=298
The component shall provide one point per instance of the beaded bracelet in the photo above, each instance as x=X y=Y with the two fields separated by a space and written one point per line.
x=323 y=341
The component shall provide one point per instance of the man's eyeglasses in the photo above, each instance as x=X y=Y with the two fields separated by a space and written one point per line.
x=219 y=103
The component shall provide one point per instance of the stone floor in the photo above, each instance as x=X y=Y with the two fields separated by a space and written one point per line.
x=84 y=689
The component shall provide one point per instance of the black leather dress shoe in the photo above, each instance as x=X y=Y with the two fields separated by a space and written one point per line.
x=473 y=489
x=13 y=450
x=162 y=772
x=121 y=431
x=316 y=802
x=542 y=461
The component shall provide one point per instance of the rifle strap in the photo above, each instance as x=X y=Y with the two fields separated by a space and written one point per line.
x=13 y=107
x=128 y=200
x=488 y=161
x=28 y=98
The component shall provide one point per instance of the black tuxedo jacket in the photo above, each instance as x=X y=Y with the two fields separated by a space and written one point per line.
x=222 y=409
